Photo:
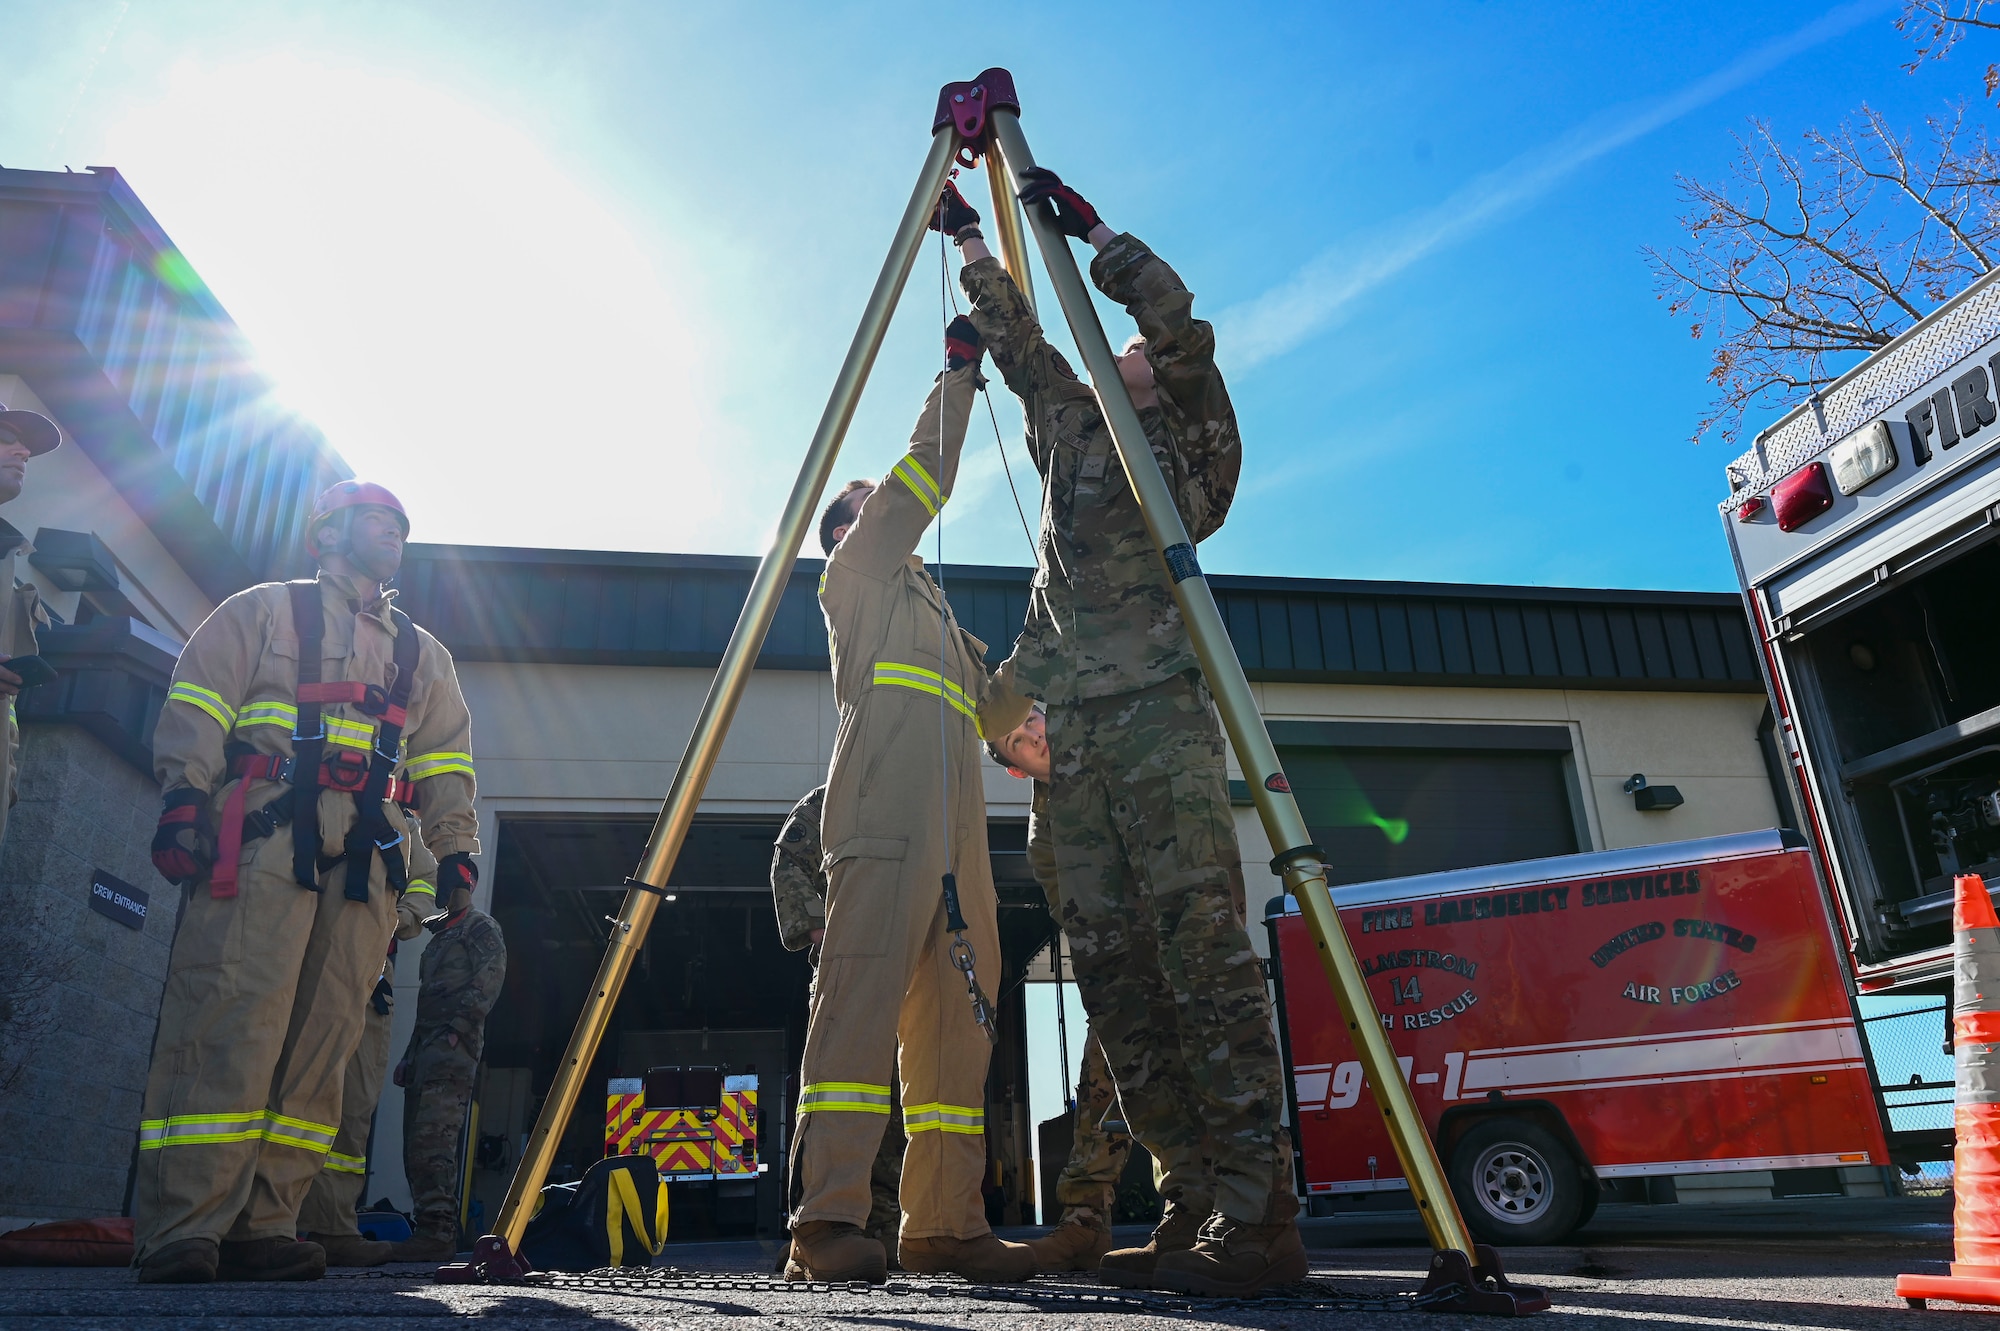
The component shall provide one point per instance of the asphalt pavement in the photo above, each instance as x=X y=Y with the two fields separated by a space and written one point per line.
x=1811 y=1263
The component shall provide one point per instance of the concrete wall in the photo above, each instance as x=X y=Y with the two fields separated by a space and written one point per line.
x=69 y=1121
x=65 y=490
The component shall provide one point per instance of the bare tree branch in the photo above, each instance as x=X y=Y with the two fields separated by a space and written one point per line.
x=1799 y=261
x=1935 y=26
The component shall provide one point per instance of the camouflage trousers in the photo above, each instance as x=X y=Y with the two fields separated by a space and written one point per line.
x=1152 y=894
x=435 y=1102
x=1097 y=1158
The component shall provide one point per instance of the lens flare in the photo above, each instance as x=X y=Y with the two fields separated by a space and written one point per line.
x=1333 y=798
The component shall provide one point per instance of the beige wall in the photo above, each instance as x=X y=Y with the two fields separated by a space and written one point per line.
x=65 y=490
x=607 y=739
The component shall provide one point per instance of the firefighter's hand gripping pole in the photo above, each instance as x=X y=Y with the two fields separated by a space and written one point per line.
x=1474 y=1270
x=497 y=1256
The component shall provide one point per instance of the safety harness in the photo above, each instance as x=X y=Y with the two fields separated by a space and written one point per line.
x=371 y=780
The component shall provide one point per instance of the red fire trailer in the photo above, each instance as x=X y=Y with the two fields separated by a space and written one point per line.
x=1667 y=1010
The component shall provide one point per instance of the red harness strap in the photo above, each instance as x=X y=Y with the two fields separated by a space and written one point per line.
x=334 y=774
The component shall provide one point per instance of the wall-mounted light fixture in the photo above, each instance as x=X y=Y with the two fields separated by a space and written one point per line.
x=1648 y=798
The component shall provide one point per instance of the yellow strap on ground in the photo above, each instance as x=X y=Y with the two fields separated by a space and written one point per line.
x=622 y=1204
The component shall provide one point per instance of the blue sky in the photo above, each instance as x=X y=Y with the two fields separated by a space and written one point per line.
x=581 y=275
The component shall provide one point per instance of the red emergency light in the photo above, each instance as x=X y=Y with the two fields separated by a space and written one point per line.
x=1802 y=496
x=1750 y=508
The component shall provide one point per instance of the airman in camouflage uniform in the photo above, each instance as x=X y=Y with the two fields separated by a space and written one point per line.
x=1087 y=1188
x=1139 y=804
x=798 y=891
x=461 y=972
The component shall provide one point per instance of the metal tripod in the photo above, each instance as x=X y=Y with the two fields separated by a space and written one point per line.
x=983 y=116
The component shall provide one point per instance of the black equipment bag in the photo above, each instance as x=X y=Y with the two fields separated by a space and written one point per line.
x=616 y=1215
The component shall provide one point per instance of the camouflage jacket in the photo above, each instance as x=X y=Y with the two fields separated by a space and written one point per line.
x=798 y=879
x=1101 y=618
x=461 y=971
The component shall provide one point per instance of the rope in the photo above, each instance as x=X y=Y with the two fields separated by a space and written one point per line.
x=963 y=959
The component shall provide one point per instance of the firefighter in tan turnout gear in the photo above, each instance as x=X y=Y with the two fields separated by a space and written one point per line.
x=303 y=717
x=23 y=435
x=904 y=807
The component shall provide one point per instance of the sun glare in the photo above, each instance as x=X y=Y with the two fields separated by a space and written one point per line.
x=424 y=280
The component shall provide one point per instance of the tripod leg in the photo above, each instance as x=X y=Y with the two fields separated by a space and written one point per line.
x=1009 y=227
x=1300 y=863
x=497 y=1251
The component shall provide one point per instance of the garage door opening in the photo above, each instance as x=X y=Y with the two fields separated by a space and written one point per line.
x=1387 y=800
x=713 y=988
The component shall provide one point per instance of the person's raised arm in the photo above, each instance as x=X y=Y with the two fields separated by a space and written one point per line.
x=910 y=497
x=1002 y=314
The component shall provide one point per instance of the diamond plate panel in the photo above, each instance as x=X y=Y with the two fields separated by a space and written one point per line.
x=1865 y=392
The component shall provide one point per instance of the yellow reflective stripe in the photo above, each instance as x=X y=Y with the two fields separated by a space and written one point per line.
x=346 y=1164
x=924 y=681
x=853 y=1097
x=944 y=1118
x=212 y=1129
x=418 y=885
x=437 y=764
x=206 y=699
x=339 y=730
x=921 y=485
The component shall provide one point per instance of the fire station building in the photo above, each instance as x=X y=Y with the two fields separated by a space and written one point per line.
x=1424 y=726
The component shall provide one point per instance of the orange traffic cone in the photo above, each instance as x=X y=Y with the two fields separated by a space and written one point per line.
x=1975 y=1275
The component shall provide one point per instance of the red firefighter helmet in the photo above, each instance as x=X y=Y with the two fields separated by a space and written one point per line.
x=352 y=494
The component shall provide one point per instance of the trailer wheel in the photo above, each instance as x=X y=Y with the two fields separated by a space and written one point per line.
x=1516 y=1184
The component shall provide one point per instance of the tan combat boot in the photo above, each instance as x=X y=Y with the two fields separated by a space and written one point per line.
x=352 y=1249
x=270 y=1259
x=1133 y=1267
x=987 y=1260
x=184 y=1262
x=1233 y=1259
x=425 y=1246
x=1078 y=1242
x=835 y=1251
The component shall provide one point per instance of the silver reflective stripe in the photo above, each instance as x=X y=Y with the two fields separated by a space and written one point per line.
x=854 y=1097
x=221 y=1129
x=944 y=1118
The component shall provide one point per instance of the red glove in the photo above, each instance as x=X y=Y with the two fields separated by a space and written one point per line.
x=1074 y=215
x=962 y=344
x=182 y=851
x=953 y=214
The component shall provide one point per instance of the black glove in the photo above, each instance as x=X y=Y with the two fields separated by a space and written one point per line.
x=962 y=344
x=456 y=871
x=182 y=851
x=1074 y=215
x=953 y=213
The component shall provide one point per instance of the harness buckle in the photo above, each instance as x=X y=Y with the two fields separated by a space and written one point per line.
x=391 y=843
x=297 y=738
x=374 y=700
x=346 y=771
